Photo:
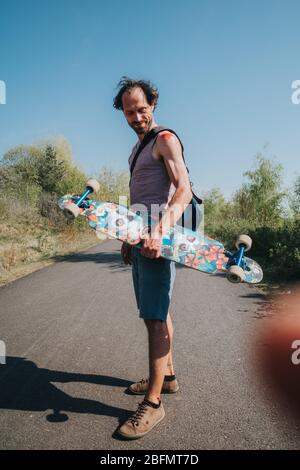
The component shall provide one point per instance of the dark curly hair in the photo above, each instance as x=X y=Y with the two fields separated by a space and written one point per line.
x=126 y=84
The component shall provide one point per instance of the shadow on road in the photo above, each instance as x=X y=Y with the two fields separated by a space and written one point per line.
x=111 y=258
x=262 y=301
x=24 y=386
x=255 y=295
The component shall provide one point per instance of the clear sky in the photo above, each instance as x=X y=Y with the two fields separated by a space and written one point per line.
x=224 y=69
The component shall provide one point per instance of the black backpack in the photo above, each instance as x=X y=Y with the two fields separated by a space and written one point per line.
x=195 y=201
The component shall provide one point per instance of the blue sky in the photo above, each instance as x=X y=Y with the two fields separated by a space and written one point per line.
x=224 y=69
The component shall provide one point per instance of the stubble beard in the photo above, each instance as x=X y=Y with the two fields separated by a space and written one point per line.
x=143 y=129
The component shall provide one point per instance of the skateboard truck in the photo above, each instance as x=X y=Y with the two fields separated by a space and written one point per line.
x=236 y=264
x=72 y=210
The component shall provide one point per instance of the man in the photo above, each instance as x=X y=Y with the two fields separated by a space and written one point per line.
x=159 y=177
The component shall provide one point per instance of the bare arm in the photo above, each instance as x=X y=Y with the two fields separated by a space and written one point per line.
x=169 y=149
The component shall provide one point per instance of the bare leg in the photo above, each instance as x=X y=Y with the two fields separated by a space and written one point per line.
x=170 y=367
x=159 y=350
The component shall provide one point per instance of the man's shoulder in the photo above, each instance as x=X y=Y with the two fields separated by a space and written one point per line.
x=166 y=134
x=168 y=137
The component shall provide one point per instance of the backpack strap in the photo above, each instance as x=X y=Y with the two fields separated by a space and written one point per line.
x=151 y=136
x=148 y=137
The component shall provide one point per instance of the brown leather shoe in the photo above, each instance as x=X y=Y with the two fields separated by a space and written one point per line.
x=141 y=387
x=142 y=421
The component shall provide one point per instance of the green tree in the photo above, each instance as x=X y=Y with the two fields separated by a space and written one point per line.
x=295 y=198
x=113 y=184
x=21 y=162
x=260 y=200
x=50 y=170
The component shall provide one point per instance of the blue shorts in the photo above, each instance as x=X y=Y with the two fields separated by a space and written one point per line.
x=153 y=281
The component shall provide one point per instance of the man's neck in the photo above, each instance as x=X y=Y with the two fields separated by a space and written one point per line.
x=141 y=136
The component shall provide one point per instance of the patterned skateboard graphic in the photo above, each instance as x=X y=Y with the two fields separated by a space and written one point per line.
x=184 y=246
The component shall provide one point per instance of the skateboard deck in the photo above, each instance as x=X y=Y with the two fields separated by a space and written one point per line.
x=191 y=249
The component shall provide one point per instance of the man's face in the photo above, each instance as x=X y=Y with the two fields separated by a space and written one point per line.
x=137 y=111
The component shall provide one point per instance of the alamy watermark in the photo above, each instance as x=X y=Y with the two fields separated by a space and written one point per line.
x=122 y=222
x=2 y=92
x=296 y=94
x=295 y=358
x=2 y=353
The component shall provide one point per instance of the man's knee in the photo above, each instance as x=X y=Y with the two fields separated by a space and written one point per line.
x=156 y=326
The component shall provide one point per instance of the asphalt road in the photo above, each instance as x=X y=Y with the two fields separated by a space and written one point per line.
x=74 y=342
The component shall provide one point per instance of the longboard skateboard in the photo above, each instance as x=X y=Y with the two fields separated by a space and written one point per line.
x=182 y=245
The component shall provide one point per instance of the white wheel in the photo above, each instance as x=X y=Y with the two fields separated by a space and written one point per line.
x=71 y=211
x=243 y=240
x=94 y=184
x=235 y=274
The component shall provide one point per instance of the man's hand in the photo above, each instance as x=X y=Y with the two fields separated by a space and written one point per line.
x=152 y=245
x=126 y=253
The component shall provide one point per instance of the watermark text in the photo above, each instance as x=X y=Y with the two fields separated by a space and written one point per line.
x=2 y=353
x=2 y=92
x=137 y=222
x=295 y=358
x=296 y=94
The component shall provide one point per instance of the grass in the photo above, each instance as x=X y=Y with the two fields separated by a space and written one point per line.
x=27 y=246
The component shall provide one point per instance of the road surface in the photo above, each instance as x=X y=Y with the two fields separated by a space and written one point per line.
x=74 y=342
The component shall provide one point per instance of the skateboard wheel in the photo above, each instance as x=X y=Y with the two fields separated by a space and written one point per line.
x=93 y=184
x=71 y=210
x=235 y=274
x=243 y=240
